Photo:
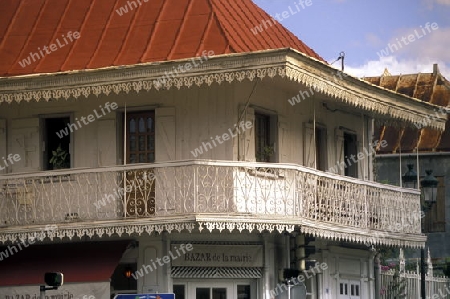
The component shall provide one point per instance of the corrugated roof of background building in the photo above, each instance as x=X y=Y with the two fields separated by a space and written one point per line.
x=429 y=87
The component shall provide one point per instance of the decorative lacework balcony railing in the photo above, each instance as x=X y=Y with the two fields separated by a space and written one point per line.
x=276 y=191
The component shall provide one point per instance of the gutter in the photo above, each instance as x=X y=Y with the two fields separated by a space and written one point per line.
x=412 y=155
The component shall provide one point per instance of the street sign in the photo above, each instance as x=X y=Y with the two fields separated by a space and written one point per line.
x=145 y=296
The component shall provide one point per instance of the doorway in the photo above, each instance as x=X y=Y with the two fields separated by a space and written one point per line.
x=140 y=148
x=349 y=289
x=212 y=289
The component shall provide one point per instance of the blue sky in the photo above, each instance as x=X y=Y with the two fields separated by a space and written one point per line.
x=362 y=28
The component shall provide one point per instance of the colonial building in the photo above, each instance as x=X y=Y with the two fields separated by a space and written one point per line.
x=428 y=147
x=164 y=146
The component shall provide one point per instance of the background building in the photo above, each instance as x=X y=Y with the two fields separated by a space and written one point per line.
x=434 y=150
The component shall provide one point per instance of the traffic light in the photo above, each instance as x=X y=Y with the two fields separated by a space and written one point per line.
x=54 y=279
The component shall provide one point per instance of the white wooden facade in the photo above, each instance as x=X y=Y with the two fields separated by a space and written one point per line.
x=221 y=196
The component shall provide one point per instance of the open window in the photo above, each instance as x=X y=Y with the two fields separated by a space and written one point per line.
x=347 y=160
x=315 y=147
x=321 y=148
x=57 y=134
x=265 y=136
x=350 y=153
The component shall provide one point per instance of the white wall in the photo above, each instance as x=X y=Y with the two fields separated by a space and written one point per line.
x=185 y=118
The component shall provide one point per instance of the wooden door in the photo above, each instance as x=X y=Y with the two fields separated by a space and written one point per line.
x=140 y=148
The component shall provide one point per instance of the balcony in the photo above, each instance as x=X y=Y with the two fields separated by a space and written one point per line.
x=258 y=191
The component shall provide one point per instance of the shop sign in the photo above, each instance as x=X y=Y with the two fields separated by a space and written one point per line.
x=220 y=256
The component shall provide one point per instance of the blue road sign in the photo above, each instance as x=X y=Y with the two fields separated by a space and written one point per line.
x=145 y=296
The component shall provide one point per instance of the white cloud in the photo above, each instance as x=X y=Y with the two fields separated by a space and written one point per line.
x=396 y=67
x=417 y=56
x=435 y=44
x=431 y=3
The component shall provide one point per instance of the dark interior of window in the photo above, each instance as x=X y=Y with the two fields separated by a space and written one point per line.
x=180 y=291
x=350 y=150
x=263 y=148
x=56 y=134
x=321 y=149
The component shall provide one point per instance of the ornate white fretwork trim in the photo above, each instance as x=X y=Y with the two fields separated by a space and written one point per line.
x=333 y=232
x=91 y=230
x=212 y=223
x=370 y=238
x=228 y=68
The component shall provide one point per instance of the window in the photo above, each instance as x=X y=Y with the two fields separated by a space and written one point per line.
x=264 y=138
x=211 y=293
x=321 y=148
x=350 y=154
x=349 y=289
x=140 y=137
x=343 y=288
x=315 y=147
x=57 y=133
x=180 y=291
x=215 y=289
x=243 y=292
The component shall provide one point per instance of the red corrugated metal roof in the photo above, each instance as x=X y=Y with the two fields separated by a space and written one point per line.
x=126 y=32
x=79 y=262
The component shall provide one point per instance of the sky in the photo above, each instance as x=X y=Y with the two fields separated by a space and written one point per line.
x=404 y=36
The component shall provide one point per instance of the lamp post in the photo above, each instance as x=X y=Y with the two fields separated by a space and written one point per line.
x=410 y=178
x=429 y=190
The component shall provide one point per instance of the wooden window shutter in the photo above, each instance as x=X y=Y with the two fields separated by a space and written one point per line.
x=165 y=131
x=25 y=140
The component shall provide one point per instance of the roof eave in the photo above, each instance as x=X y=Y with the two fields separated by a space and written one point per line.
x=285 y=62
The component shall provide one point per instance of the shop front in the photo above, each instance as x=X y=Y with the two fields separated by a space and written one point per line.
x=207 y=265
x=228 y=271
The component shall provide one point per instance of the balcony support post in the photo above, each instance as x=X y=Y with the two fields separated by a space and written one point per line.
x=422 y=273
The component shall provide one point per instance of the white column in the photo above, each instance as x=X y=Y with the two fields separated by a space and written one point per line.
x=269 y=267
